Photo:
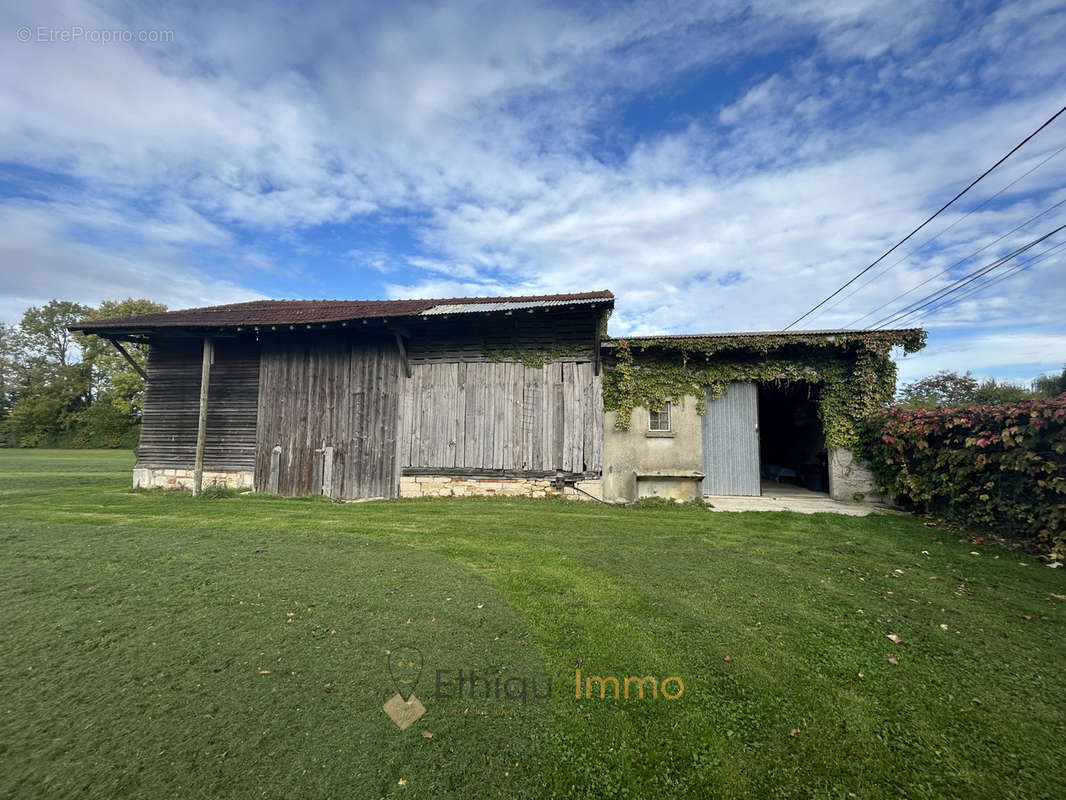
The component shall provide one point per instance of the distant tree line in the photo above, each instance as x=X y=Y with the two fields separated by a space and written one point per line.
x=948 y=388
x=63 y=389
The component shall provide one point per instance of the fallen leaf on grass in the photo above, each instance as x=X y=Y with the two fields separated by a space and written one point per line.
x=264 y=672
x=1026 y=616
x=427 y=735
x=975 y=700
x=401 y=782
x=861 y=675
x=727 y=658
x=1058 y=596
x=793 y=731
x=943 y=627
x=329 y=688
x=893 y=661
x=893 y=638
x=480 y=605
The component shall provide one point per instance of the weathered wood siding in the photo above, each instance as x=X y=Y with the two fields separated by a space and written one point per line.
x=568 y=334
x=470 y=416
x=172 y=402
x=329 y=417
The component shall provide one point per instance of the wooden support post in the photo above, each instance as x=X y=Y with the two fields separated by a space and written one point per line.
x=596 y=343
x=129 y=358
x=201 y=426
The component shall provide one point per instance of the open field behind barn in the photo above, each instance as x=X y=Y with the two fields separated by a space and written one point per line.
x=163 y=646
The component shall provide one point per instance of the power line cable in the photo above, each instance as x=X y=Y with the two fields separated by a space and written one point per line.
x=881 y=258
x=962 y=260
x=912 y=309
x=939 y=294
x=1000 y=278
x=932 y=239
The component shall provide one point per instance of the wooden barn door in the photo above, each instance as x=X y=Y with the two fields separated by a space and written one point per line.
x=328 y=418
x=731 y=442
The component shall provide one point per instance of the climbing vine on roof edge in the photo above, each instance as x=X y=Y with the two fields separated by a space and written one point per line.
x=855 y=372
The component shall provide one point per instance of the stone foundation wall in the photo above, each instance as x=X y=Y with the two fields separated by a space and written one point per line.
x=446 y=486
x=160 y=478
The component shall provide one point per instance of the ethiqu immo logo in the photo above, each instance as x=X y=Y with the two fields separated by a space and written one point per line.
x=405 y=666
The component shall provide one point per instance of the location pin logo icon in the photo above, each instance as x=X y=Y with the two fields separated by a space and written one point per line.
x=405 y=668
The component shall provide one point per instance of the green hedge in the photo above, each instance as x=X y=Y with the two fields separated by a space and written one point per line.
x=998 y=468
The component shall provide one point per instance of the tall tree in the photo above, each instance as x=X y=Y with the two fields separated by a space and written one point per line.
x=946 y=388
x=43 y=331
x=7 y=367
x=1051 y=385
x=114 y=380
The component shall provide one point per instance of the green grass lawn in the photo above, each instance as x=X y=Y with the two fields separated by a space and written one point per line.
x=163 y=646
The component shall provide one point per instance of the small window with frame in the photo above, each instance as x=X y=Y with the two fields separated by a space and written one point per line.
x=659 y=420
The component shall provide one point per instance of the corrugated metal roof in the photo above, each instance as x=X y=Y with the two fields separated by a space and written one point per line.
x=513 y=305
x=306 y=312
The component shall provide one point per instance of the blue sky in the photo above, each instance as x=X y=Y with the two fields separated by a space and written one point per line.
x=718 y=166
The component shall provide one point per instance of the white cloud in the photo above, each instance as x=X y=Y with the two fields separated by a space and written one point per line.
x=492 y=136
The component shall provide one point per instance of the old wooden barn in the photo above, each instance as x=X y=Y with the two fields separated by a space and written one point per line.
x=512 y=395
x=346 y=398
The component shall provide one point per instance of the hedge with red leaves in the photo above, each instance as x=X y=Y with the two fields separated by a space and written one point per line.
x=998 y=468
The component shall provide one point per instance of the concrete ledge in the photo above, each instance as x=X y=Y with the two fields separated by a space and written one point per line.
x=671 y=484
x=800 y=505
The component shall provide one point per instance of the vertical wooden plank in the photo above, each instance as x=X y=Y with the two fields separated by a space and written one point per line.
x=201 y=426
x=416 y=416
x=425 y=424
x=274 y=469
x=501 y=431
x=317 y=469
x=460 y=415
x=558 y=416
x=576 y=432
x=407 y=388
x=327 y=471
x=516 y=393
x=487 y=426
x=449 y=414
x=594 y=425
x=401 y=381
x=474 y=421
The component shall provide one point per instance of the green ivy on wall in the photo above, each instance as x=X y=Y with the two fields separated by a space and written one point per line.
x=855 y=372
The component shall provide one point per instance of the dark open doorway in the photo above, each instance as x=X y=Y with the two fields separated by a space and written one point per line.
x=791 y=441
